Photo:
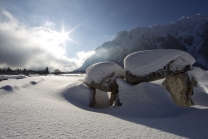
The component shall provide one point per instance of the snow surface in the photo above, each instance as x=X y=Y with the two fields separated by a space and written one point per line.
x=98 y=71
x=57 y=107
x=3 y=77
x=197 y=73
x=203 y=81
x=145 y=62
x=201 y=77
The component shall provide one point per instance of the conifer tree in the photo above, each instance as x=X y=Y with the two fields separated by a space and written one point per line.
x=46 y=70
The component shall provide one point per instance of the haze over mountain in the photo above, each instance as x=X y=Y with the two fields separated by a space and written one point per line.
x=189 y=33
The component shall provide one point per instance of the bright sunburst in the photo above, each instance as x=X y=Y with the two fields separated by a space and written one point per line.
x=64 y=36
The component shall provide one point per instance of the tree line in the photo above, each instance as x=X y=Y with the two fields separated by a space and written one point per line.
x=9 y=71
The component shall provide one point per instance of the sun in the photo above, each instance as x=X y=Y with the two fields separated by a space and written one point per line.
x=64 y=36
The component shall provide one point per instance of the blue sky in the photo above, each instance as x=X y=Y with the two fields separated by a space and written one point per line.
x=90 y=22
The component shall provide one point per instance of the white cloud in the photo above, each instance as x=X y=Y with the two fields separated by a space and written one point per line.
x=7 y=16
x=34 y=47
x=82 y=56
x=49 y=24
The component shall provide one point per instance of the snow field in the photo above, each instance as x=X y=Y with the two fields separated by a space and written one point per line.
x=2 y=77
x=57 y=107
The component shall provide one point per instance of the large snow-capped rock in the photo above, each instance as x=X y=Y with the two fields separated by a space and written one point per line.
x=102 y=76
x=188 y=34
x=150 y=65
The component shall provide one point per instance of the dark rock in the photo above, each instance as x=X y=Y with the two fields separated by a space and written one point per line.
x=189 y=40
x=180 y=87
x=93 y=100
x=160 y=74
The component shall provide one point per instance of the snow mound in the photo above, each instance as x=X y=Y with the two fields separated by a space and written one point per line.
x=200 y=95
x=203 y=81
x=145 y=62
x=204 y=78
x=78 y=94
x=146 y=100
x=9 y=88
x=32 y=82
x=98 y=71
x=102 y=99
x=197 y=73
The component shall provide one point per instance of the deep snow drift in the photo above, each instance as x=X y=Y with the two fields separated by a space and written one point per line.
x=57 y=107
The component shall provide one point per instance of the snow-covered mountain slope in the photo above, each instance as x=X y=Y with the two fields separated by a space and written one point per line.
x=187 y=33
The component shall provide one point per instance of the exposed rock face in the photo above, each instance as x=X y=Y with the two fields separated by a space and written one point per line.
x=93 y=100
x=102 y=76
x=106 y=84
x=156 y=64
x=180 y=87
x=160 y=74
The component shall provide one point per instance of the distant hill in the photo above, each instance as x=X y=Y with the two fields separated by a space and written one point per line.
x=187 y=33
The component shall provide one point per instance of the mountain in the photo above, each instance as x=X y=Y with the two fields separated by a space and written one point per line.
x=187 y=33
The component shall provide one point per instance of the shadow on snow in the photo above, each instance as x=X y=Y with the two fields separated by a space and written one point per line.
x=186 y=122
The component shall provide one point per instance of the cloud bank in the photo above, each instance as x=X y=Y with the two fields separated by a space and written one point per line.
x=34 y=47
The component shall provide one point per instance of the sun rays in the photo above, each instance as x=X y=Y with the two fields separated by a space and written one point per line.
x=64 y=36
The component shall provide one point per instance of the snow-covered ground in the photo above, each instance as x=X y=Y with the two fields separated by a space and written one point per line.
x=5 y=77
x=57 y=107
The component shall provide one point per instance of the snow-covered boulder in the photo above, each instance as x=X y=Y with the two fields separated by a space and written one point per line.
x=102 y=76
x=150 y=65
